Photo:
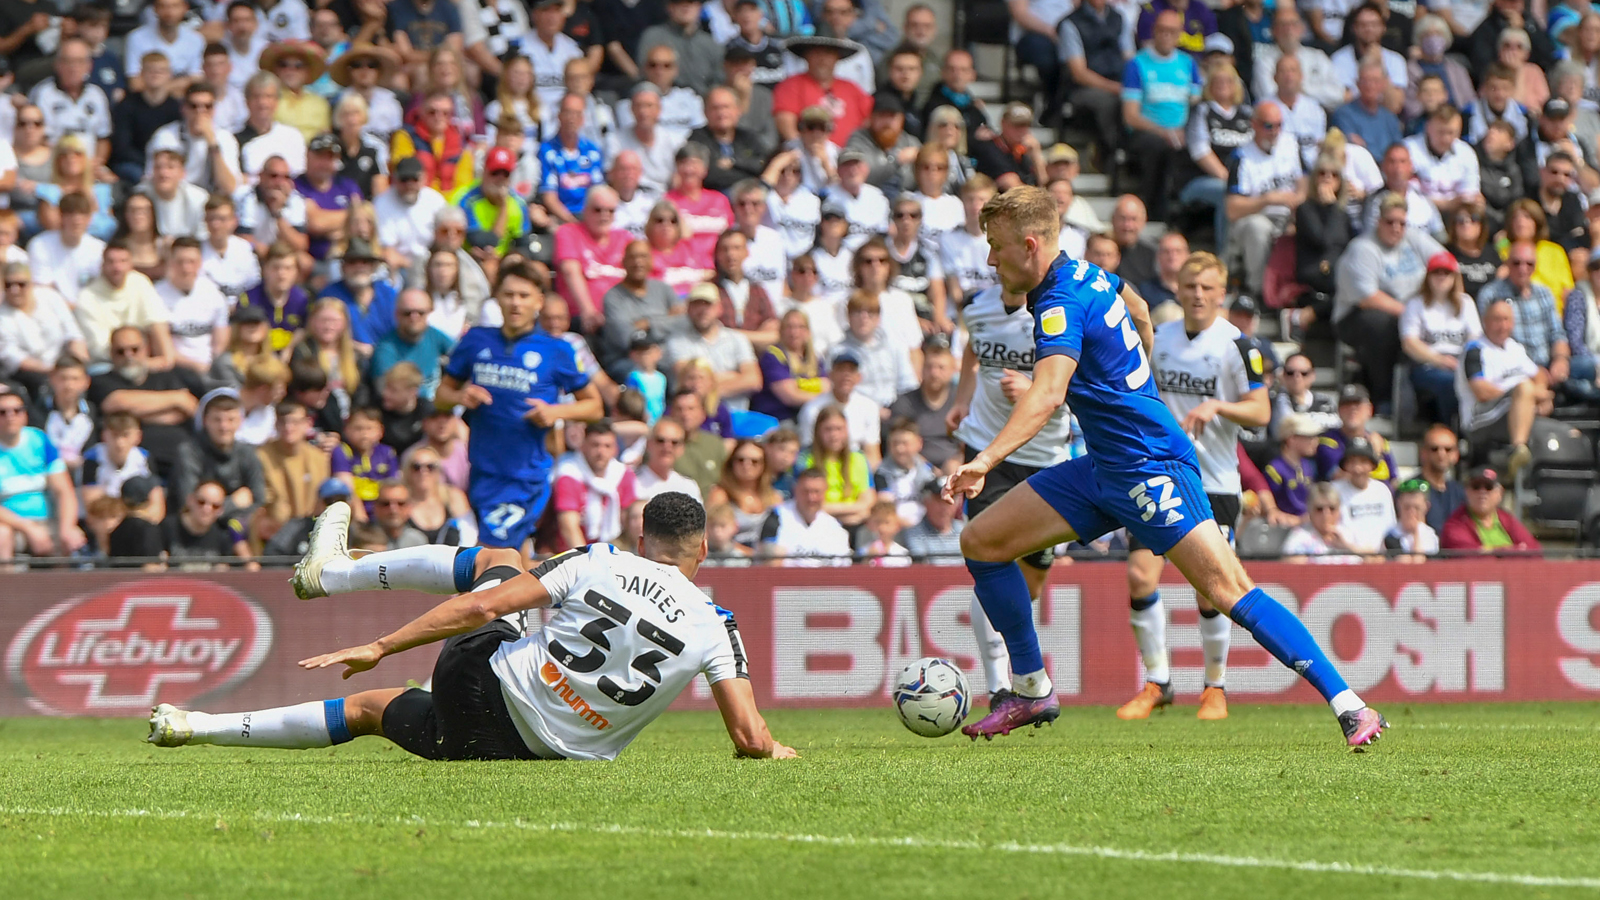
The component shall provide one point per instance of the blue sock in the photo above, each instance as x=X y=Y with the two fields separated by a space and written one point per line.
x=338 y=731
x=464 y=563
x=1287 y=639
x=1004 y=595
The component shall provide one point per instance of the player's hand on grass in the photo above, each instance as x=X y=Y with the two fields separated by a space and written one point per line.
x=476 y=395
x=967 y=482
x=540 y=413
x=779 y=751
x=355 y=659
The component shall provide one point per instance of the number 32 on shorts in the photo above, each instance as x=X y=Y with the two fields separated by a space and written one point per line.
x=1156 y=495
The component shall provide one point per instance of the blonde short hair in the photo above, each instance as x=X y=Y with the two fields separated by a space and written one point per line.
x=1201 y=261
x=1028 y=211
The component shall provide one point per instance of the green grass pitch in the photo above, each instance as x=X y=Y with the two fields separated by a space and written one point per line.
x=1457 y=801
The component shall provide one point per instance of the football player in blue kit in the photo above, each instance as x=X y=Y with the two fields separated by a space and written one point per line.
x=510 y=380
x=1092 y=336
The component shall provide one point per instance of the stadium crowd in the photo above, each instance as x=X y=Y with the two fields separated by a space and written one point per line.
x=263 y=256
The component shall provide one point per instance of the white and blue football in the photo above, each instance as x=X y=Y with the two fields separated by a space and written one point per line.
x=931 y=697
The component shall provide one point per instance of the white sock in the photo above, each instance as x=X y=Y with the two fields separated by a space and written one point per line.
x=1215 y=633
x=430 y=569
x=991 y=650
x=1034 y=685
x=297 y=727
x=1346 y=701
x=1150 y=630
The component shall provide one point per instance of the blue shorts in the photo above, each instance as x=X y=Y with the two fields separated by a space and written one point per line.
x=508 y=510
x=1158 y=501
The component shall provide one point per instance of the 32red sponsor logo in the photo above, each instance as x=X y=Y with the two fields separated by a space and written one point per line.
x=117 y=652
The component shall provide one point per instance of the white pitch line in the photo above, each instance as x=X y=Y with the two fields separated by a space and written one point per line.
x=916 y=843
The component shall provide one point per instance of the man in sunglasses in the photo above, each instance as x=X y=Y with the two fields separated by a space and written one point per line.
x=1480 y=524
x=1441 y=451
x=406 y=214
x=42 y=521
x=210 y=155
x=1266 y=183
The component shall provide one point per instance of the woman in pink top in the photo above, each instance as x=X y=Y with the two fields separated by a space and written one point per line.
x=706 y=214
x=676 y=261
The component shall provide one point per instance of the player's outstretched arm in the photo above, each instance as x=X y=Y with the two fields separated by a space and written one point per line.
x=1033 y=409
x=737 y=703
x=1139 y=312
x=458 y=615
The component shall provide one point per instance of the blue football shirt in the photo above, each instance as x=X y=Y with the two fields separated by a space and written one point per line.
x=1077 y=311
x=533 y=366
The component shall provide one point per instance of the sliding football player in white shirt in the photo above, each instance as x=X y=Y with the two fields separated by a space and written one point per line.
x=1210 y=377
x=628 y=635
x=995 y=371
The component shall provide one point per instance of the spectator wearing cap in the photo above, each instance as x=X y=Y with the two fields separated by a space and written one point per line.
x=1580 y=126
x=936 y=538
x=1265 y=185
x=863 y=418
x=1244 y=313
x=1412 y=537
x=1537 y=328
x=637 y=302
x=293 y=470
x=328 y=195
x=1435 y=329
x=1158 y=86
x=1095 y=48
x=864 y=206
x=642 y=133
x=736 y=153
x=699 y=55
x=732 y=358
x=572 y=163
x=405 y=214
x=1480 y=525
x=1291 y=474
x=1377 y=270
x=1501 y=389
x=1367 y=503
x=1196 y=21
x=138 y=534
x=1355 y=411
x=371 y=301
x=412 y=340
x=817 y=85
x=491 y=205
x=888 y=148
x=1446 y=168
x=644 y=375
x=1012 y=156
x=705 y=213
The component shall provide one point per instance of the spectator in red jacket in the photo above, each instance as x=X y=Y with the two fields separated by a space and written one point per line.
x=1481 y=524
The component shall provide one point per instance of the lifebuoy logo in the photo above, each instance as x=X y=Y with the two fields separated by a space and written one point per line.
x=115 y=652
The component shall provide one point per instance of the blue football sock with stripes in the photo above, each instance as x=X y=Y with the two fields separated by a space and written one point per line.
x=1286 y=638
x=1004 y=594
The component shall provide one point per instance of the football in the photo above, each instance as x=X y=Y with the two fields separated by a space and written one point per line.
x=931 y=697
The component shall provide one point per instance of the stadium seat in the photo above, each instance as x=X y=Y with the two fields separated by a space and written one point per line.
x=1561 y=477
x=1279 y=290
x=987 y=22
x=1258 y=540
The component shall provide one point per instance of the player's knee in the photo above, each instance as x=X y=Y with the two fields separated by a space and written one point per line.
x=976 y=545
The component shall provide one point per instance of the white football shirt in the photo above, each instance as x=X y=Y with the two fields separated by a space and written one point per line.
x=1002 y=338
x=193 y=316
x=1216 y=364
x=628 y=635
x=966 y=256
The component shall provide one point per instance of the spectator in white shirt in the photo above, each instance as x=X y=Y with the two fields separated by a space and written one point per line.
x=217 y=71
x=171 y=37
x=656 y=145
x=655 y=475
x=266 y=136
x=1322 y=539
x=210 y=155
x=180 y=206
x=1368 y=503
x=800 y=533
x=226 y=258
x=244 y=43
x=1411 y=537
x=69 y=257
x=405 y=215
x=197 y=313
x=36 y=327
x=1446 y=167
x=863 y=418
x=71 y=105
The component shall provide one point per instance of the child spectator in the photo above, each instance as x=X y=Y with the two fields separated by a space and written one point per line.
x=443 y=431
x=216 y=455
x=1411 y=536
x=644 y=353
x=117 y=458
x=1368 y=503
x=363 y=461
x=783 y=451
x=631 y=427
x=722 y=527
x=937 y=538
x=901 y=477
x=70 y=417
x=266 y=382
x=850 y=495
x=1292 y=474
x=884 y=524
x=137 y=532
x=400 y=399
x=308 y=386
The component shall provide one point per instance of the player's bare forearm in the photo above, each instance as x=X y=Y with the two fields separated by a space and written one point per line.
x=466 y=612
x=967 y=386
x=1254 y=411
x=1139 y=311
x=1051 y=376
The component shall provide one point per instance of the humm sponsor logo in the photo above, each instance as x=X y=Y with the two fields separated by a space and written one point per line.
x=557 y=682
